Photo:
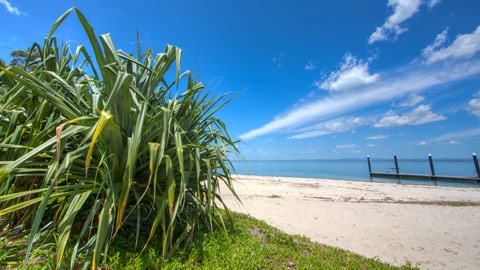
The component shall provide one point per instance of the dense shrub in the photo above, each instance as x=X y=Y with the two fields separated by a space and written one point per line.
x=95 y=146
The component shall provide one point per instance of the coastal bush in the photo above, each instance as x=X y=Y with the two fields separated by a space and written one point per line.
x=97 y=147
x=249 y=244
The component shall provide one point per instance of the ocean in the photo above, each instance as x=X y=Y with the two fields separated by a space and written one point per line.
x=357 y=169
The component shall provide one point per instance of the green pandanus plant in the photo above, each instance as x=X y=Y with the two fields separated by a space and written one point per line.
x=95 y=146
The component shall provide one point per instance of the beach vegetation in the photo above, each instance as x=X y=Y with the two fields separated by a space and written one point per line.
x=462 y=204
x=98 y=148
x=248 y=244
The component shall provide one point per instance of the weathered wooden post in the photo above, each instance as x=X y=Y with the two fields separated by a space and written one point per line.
x=475 y=161
x=369 y=166
x=396 y=164
x=430 y=160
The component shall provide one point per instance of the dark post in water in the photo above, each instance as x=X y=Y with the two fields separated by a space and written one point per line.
x=369 y=166
x=475 y=161
x=396 y=164
x=430 y=160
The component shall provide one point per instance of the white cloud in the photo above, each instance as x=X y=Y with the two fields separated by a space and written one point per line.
x=411 y=100
x=421 y=115
x=329 y=127
x=397 y=85
x=278 y=60
x=452 y=142
x=309 y=151
x=474 y=107
x=353 y=73
x=454 y=136
x=402 y=11
x=11 y=9
x=310 y=66
x=422 y=143
x=378 y=137
x=347 y=146
x=433 y=3
x=260 y=151
x=464 y=46
x=438 y=42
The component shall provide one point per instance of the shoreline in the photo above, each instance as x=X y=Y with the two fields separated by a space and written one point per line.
x=433 y=227
x=414 y=182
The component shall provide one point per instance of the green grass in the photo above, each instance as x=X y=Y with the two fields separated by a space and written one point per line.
x=250 y=244
x=461 y=204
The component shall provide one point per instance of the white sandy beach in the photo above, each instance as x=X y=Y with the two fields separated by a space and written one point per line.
x=394 y=223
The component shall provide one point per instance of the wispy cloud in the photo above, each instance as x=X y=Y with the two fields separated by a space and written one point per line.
x=309 y=151
x=350 y=148
x=421 y=115
x=378 y=137
x=464 y=46
x=353 y=73
x=437 y=43
x=452 y=142
x=402 y=11
x=310 y=66
x=432 y=3
x=396 y=85
x=455 y=136
x=278 y=60
x=11 y=9
x=329 y=127
x=474 y=106
x=409 y=101
x=347 y=146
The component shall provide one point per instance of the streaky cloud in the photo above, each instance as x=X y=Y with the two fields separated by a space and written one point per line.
x=455 y=136
x=415 y=80
x=329 y=127
x=378 y=137
x=10 y=8
x=347 y=146
x=411 y=100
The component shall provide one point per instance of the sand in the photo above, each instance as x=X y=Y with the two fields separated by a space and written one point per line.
x=423 y=225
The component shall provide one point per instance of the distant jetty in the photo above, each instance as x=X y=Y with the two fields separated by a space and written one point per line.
x=432 y=176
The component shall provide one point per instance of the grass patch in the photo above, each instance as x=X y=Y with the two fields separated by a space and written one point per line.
x=250 y=244
x=274 y=196
x=460 y=204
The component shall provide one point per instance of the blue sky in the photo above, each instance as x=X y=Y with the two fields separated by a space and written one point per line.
x=313 y=79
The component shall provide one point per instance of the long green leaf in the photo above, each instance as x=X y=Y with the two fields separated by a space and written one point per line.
x=104 y=229
x=64 y=227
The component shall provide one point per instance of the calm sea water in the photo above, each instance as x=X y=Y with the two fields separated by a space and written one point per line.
x=357 y=170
